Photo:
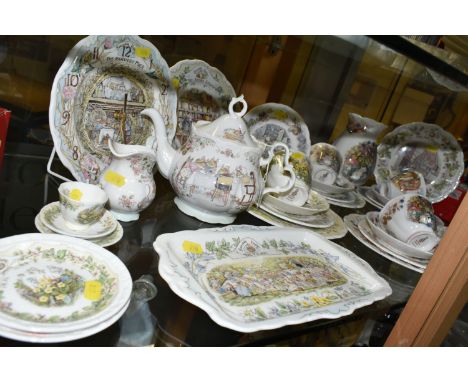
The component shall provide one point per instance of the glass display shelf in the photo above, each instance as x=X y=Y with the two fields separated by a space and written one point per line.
x=168 y=320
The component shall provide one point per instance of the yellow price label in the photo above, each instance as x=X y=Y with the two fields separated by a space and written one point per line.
x=175 y=83
x=432 y=149
x=114 y=178
x=190 y=246
x=92 y=290
x=297 y=155
x=75 y=194
x=142 y=51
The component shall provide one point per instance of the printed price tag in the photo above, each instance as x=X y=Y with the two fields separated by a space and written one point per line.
x=114 y=178
x=175 y=83
x=432 y=149
x=190 y=246
x=92 y=290
x=297 y=155
x=76 y=194
x=142 y=51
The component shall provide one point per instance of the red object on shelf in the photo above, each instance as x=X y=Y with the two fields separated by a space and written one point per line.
x=447 y=208
x=4 y=122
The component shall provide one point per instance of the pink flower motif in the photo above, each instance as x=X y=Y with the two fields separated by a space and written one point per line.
x=69 y=92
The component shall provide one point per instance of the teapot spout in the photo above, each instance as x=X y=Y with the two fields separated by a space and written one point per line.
x=165 y=154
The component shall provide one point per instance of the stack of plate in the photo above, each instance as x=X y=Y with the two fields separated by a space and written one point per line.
x=342 y=196
x=55 y=288
x=367 y=229
x=315 y=215
x=105 y=232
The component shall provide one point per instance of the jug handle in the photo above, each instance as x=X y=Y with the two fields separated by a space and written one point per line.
x=286 y=167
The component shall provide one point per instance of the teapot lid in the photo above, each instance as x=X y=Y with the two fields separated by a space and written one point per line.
x=229 y=127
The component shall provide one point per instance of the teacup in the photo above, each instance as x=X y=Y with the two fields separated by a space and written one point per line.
x=405 y=182
x=81 y=204
x=410 y=218
x=299 y=194
x=325 y=161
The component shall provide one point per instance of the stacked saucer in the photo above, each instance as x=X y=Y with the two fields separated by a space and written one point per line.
x=315 y=215
x=56 y=288
x=80 y=213
x=370 y=231
x=339 y=195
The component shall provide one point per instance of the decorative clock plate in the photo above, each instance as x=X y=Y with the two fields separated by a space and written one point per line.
x=203 y=93
x=98 y=94
x=247 y=279
x=425 y=148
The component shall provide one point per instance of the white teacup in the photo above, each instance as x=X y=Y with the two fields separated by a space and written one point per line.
x=81 y=204
x=410 y=218
x=405 y=182
x=299 y=194
x=325 y=161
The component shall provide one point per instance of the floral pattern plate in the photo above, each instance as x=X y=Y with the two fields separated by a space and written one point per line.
x=353 y=222
x=104 y=241
x=273 y=122
x=316 y=204
x=247 y=279
x=98 y=94
x=51 y=216
x=330 y=189
x=322 y=220
x=203 y=93
x=336 y=231
x=425 y=148
x=37 y=337
x=56 y=284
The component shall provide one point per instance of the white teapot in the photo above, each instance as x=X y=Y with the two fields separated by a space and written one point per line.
x=216 y=174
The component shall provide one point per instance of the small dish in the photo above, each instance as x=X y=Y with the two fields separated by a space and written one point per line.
x=52 y=218
x=330 y=189
x=356 y=201
x=322 y=220
x=336 y=231
x=104 y=241
x=316 y=204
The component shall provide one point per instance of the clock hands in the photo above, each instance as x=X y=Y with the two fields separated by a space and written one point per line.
x=123 y=119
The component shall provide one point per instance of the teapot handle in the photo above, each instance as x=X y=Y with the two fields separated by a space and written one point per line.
x=241 y=99
x=286 y=167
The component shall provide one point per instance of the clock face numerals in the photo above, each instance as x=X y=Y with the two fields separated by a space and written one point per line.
x=99 y=93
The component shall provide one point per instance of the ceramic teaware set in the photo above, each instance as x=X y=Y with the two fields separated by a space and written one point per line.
x=80 y=212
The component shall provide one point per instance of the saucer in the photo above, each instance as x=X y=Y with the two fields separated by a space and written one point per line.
x=104 y=241
x=366 y=231
x=330 y=189
x=392 y=242
x=353 y=221
x=336 y=231
x=367 y=193
x=316 y=204
x=322 y=220
x=52 y=218
x=355 y=201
